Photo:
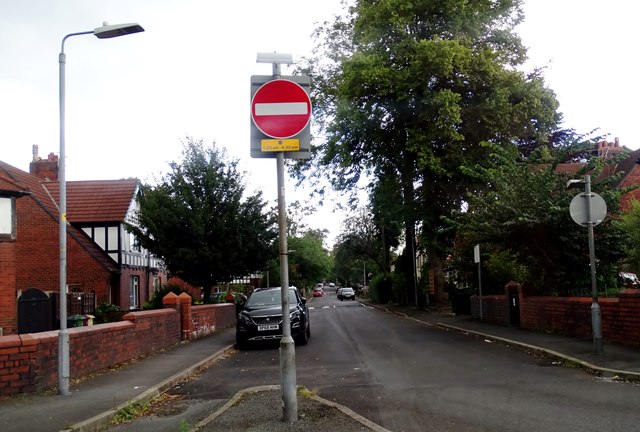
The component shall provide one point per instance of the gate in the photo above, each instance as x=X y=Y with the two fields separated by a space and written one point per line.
x=34 y=312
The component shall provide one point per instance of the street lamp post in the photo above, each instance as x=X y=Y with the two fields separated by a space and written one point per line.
x=104 y=32
x=364 y=274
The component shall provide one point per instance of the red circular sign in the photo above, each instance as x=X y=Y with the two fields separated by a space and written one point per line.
x=281 y=109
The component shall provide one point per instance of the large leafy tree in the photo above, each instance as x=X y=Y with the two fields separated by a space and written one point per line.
x=522 y=219
x=409 y=89
x=201 y=222
x=360 y=241
x=309 y=261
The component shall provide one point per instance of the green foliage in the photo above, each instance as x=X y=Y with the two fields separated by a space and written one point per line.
x=103 y=312
x=359 y=247
x=501 y=267
x=402 y=288
x=408 y=91
x=130 y=412
x=525 y=210
x=201 y=222
x=309 y=261
x=629 y=223
x=381 y=288
x=184 y=426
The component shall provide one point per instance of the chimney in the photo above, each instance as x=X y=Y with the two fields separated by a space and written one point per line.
x=46 y=169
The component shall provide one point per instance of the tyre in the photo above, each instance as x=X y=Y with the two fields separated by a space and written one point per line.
x=241 y=343
x=303 y=339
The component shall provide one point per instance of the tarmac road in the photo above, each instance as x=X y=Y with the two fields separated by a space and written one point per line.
x=409 y=377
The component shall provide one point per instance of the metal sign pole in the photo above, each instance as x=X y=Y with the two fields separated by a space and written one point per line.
x=596 y=313
x=476 y=259
x=287 y=345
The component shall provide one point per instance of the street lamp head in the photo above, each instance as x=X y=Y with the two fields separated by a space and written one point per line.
x=572 y=184
x=110 y=31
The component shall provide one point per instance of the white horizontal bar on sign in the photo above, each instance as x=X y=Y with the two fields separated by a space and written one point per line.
x=281 y=108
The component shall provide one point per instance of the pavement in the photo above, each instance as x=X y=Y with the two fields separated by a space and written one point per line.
x=94 y=401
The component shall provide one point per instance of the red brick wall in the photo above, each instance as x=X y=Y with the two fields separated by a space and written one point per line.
x=206 y=319
x=8 y=305
x=571 y=315
x=29 y=362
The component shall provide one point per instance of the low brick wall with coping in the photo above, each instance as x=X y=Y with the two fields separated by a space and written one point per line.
x=569 y=316
x=29 y=362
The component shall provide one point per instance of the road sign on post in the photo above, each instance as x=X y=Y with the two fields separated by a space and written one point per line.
x=280 y=116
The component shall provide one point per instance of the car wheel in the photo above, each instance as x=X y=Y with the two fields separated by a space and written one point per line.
x=241 y=343
x=303 y=339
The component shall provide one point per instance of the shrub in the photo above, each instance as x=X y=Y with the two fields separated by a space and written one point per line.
x=105 y=313
x=380 y=288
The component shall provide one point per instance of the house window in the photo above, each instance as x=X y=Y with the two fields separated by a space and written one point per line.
x=134 y=292
x=7 y=218
x=134 y=243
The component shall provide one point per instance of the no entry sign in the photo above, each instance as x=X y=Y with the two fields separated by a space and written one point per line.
x=281 y=109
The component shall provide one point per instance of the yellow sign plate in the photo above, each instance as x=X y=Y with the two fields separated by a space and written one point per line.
x=279 y=145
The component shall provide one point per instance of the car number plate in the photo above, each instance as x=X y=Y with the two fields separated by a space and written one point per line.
x=268 y=327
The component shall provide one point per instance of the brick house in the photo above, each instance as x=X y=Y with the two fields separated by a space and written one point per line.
x=630 y=166
x=102 y=257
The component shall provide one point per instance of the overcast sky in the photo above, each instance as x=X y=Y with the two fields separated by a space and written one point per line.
x=131 y=100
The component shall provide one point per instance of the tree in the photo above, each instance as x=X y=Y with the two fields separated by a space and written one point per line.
x=409 y=90
x=629 y=223
x=522 y=221
x=309 y=262
x=198 y=220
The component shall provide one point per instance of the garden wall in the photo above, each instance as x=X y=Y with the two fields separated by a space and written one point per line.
x=29 y=362
x=570 y=316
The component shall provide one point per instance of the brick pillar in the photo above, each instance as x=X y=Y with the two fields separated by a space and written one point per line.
x=186 y=323
x=171 y=301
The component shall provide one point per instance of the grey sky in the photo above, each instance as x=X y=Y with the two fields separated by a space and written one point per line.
x=131 y=100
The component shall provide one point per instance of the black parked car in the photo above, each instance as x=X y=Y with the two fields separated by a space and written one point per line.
x=261 y=317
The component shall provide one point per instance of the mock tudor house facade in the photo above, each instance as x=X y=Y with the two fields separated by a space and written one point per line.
x=102 y=257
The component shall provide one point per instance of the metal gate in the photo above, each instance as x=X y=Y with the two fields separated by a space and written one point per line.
x=34 y=311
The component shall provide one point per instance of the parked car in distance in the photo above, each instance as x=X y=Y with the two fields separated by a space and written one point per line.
x=629 y=279
x=346 y=293
x=260 y=317
x=318 y=292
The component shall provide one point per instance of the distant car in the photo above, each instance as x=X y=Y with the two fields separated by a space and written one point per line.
x=332 y=285
x=318 y=292
x=260 y=318
x=629 y=279
x=346 y=293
